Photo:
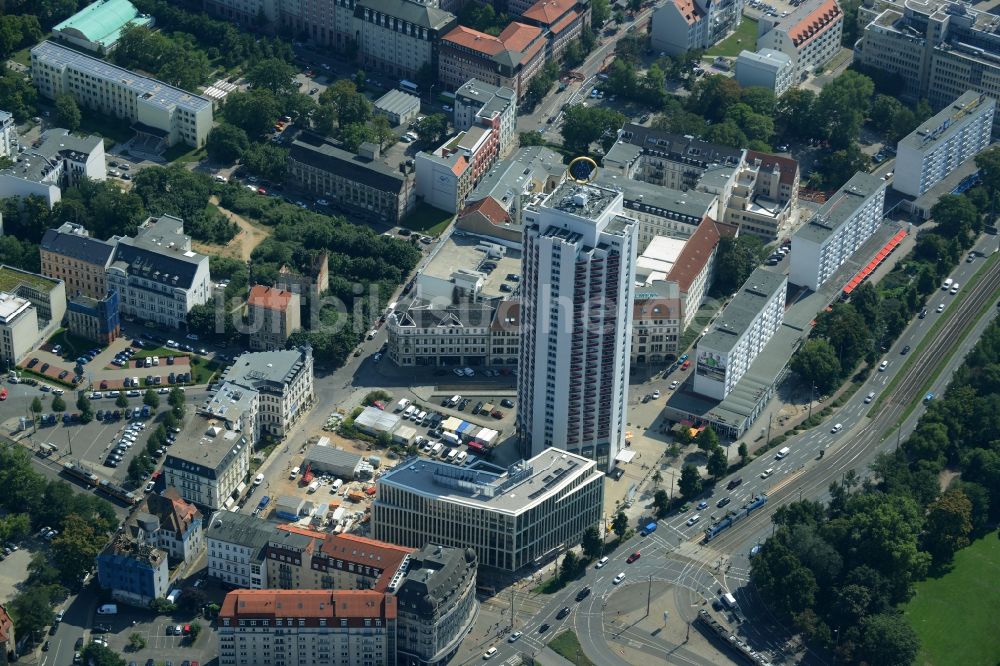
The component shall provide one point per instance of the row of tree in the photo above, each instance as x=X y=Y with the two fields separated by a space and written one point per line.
x=838 y=572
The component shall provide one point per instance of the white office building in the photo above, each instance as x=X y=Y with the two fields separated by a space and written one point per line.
x=157 y=275
x=837 y=230
x=740 y=333
x=237 y=550
x=810 y=35
x=8 y=135
x=578 y=268
x=684 y=25
x=208 y=462
x=765 y=68
x=943 y=143
x=155 y=109
x=59 y=160
x=18 y=328
x=513 y=517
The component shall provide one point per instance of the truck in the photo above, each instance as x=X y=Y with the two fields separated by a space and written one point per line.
x=450 y=438
x=729 y=601
x=649 y=528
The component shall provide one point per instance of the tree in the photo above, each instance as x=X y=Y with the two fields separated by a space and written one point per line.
x=712 y=96
x=816 y=364
x=988 y=162
x=195 y=631
x=170 y=420
x=888 y=640
x=58 y=404
x=600 y=11
x=226 y=143
x=690 y=483
x=67 y=112
x=619 y=524
x=86 y=410
x=254 y=111
x=661 y=502
x=433 y=128
x=98 y=655
x=31 y=610
x=266 y=160
x=743 y=451
x=74 y=550
x=583 y=125
x=570 y=566
x=176 y=401
x=948 y=525
x=136 y=641
x=956 y=218
x=273 y=74
x=324 y=121
x=36 y=405
x=836 y=167
x=797 y=111
x=592 y=544
x=718 y=462
x=531 y=139
x=845 y=102
x=151 y=399
x=707 y=439
x=191 y=599
x=735 y=260
x=121 y=402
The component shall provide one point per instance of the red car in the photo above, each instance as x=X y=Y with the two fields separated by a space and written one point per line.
x=633 y=557
x=261 y=190
x=687 y=364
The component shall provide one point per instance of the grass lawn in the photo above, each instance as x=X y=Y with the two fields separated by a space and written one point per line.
x=568 y=645
x=550 y=586
x=955 y=615
x=427 y=220
x=181 y=152
x=111 y=128
x=73 y=345
x=203 y=371
x=22 y=57
x=745 y=37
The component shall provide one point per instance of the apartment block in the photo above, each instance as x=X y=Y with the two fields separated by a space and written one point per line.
x=156 y=274
x=486 y=105
x=275 y=387
x=759 y=196
x=578 y=268
x=678 y=26
x=446 y=175
x=740 y=333
x=656 y=327
x=558 y=496
x=274 y=314
x=937 y=50
x=837 y=230
x=336 y=627
x=9 y=142
x=672 y=160
x=398 y=37
x=156 y=109
x=453 y=335
x=134 y=572
x=943 y=143
x=509 y=60
x=237 y=550
x=209 y=459
x=18 y=328
x=765 y=68
x=59 y=160
x=360 y=185
x=810 y=35
x=71 y=255
x=169 y=523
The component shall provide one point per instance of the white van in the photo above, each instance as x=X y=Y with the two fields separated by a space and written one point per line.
x=460 y=458
x=402 y=404
x=372 y=333
x=419 y=418
x=451 y=454
x=335 y=486
x=730 y=601
x=451 y=438
x=313 y=487
x=294 y=473
x=782 y=453
x=409 y=411
x=947 y=285
x=108 y=609
x=437 y=448
x=455 y=399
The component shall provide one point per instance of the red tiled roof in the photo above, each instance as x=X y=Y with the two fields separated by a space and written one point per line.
x=460 y=165
x=692 y=259
x=6 y=627
x=308 y=604
x=563 y=22
x=489 y=208
x=368 y=552
x=688 y=10
x=814 y=22
x=548 y=12
x=475 y=40
x=787 y=165
x=303 y=531
x=519 y=36
x=270 y=298
x=656 y=308
x=173 y=511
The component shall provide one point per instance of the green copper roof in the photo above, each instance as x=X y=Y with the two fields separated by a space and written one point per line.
x=103 y=21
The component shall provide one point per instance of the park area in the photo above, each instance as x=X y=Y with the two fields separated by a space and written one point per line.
x=956 y=615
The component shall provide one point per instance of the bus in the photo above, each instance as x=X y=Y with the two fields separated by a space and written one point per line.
x=409 y=87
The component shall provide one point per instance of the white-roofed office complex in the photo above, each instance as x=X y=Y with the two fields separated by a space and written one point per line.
x=154 y=107
x=512 y=517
